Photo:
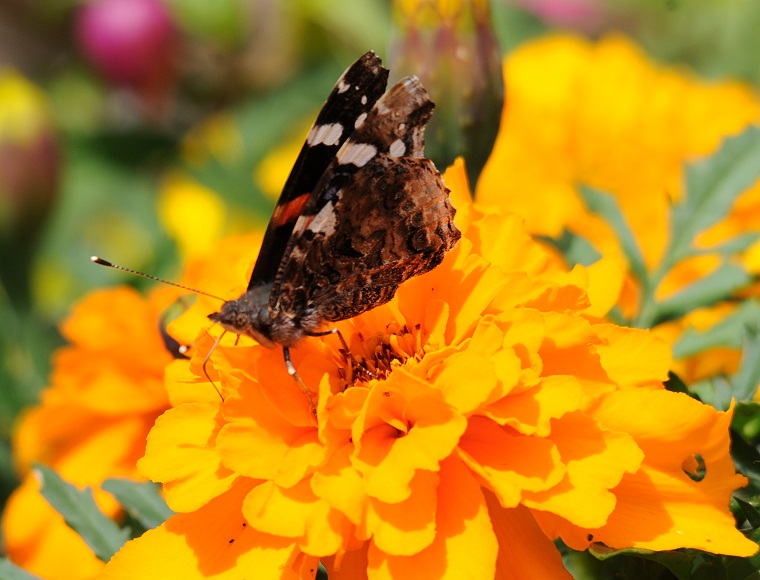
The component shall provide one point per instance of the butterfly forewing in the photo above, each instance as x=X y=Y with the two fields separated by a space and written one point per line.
x=355 y=93
x=379 y=215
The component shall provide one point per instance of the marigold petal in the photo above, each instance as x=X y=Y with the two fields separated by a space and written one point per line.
x=341 y=486
x=181 y=453
x=511 y=463
x=404 y=426
x=455 y=178
x=406 y=527
x=531 y=411
x=349 y=566
x=285 y=453
x=467 y=380
x=214 y=541
x=605 y=283
x=184 y=386
x=464 y=280
x=596 y=462
x=524 y=550
x=465 y=545
x=660 y=507
x=295 y=513
x=632 y=356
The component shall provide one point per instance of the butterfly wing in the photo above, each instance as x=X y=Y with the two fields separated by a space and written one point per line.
x=380 y=215
x=355 y=93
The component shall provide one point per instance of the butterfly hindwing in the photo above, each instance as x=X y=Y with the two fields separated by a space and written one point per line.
x=379 y=215
x=355 y=93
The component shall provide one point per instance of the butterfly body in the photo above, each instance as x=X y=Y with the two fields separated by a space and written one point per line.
x=362 y=211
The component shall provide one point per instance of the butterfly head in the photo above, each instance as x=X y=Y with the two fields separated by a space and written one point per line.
x=249 y=316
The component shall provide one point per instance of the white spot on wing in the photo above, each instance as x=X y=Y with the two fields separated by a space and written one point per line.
x=360 y=120
x=397 y=148
x=343 y=86
x=358 y=154
x=328 y=134
x=324 y=221
x=364 y=99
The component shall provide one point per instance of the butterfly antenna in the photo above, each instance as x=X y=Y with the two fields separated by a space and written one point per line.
x=103 y=262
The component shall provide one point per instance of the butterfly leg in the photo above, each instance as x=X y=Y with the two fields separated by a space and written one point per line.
x=356 y=364
x=292 y=372
x=205 y=362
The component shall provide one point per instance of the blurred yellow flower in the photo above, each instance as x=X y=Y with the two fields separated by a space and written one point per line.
x=604 y=115
x=270 y=175
x=503 y=415
x=191 y=213
x=218 y=138
x=106 y=390
x=24 y=114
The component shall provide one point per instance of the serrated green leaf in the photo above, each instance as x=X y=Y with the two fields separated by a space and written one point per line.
x=745 y=380
x=142 y=500
x=712 y=187
x=606 y=206
x=715 y=391
x=731 y=246
x=729 y=332
x=681 y=564
x=750 y=512
x=9 y=571
x=718 y=286
x=80 y=512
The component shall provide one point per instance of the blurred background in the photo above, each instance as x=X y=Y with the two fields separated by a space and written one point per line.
x=144 y=130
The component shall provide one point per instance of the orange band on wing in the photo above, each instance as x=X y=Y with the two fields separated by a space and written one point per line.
x=290 y=211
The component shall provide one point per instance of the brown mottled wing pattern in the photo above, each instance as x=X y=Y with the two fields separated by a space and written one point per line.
x=357 y=90
x=384 y=216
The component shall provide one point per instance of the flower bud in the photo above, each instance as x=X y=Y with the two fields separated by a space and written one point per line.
x=451 y=47
x=130 y=42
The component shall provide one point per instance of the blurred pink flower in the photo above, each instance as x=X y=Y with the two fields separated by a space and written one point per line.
x=131 y=43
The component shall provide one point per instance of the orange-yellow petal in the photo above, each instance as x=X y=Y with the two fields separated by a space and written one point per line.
x=465 y=545
x=509 y=462
x=213 y=542
x=404 y=426
x=181 y=452
x=524 y=550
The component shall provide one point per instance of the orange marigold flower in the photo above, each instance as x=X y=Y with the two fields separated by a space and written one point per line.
x=503 y=416
x=604 y=115
x=106 y=390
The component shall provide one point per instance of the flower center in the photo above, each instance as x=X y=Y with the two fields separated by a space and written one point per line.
x=374 y=356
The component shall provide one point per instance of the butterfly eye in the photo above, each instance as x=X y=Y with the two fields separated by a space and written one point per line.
x=241 y=320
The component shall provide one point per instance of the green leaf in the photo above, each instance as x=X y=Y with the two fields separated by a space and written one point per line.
x=681 y=564
x=675 y=385
x=80 y=512
x=746 y=422
x=729 y=332
x=731 y=246
x=715 y=391
x=750 y=512
x=745 y=380
x=719 y=285
x=9 y=571
x=606 y=206
x=575 y=249
x=712 y=187
x=142 y=500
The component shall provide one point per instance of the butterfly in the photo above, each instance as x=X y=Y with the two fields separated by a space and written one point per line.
x=362 y=211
